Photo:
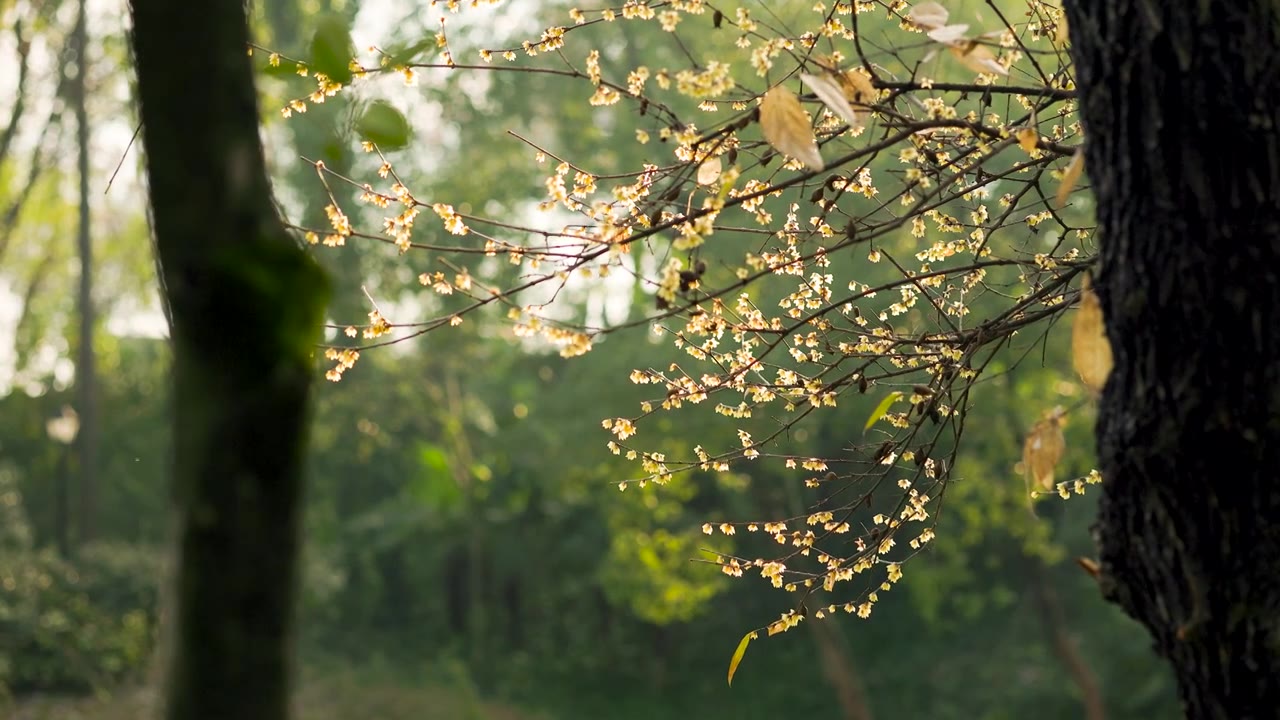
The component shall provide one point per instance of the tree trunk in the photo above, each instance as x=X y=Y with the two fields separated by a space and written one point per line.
x=86 y=375
x=1057 y=632
x=62 y=504
x=839 y=670
x=1180 y=102
x=246 y=306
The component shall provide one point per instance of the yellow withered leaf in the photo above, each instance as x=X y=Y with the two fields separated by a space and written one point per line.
x=949 y=34
x=1090 y=349
x=858 y=88
x=1070 y=177
x=1043 y=449
x=1028 y=138
x=978 y=58
x=786 y=127
x=826 y=62
x=928 y=15
x=831 y=92
x=737 y=654
x=1061 y=34
x=709 y=171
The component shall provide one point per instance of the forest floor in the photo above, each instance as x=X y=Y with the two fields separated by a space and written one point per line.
x=339 y=696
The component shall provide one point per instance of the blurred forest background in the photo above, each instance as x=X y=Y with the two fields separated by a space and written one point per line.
x=467 y=553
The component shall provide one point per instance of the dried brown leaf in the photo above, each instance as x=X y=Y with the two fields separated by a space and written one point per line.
x=1090 y=349
x=709 y=171
x=978 y=58
x=949 y=34
x=858 y=88
x=1028 y=138
x=1061 y=34
x=1070 y=177
x=787 y=128
x=928 y=15
x=1043 y=449
x=831 y=92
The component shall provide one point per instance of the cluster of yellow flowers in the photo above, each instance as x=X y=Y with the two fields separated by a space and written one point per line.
x=931 y=155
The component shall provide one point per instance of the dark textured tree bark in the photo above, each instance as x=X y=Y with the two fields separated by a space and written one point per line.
x=1181 y=104
x=246 y=307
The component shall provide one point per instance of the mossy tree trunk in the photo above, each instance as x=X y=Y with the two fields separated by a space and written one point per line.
x=246 y=307
x=1181 y=104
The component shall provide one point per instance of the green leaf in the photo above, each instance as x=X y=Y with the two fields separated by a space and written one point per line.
x=286 y=69
x=332 y=49
x=434 y=484
x=404 y=54
x=384 y=126
x=881 y=409
x=737 y=654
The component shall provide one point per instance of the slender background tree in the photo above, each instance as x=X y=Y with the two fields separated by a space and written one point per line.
x=241 y=388
x=86 y=365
